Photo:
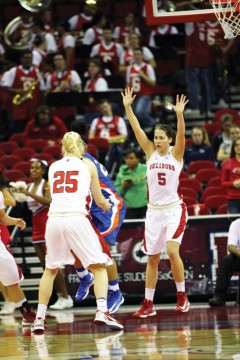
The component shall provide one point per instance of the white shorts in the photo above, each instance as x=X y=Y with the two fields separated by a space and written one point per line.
x=10 y=274
x=72 y=232
x=163 y=225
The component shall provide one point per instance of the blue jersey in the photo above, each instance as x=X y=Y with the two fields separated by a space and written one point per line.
x=108 y=223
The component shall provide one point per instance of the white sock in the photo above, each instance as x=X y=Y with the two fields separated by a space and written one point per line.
x=41 y=311
x=149 y=294
x=180 y=286
x=102 y=304
x=19 y=304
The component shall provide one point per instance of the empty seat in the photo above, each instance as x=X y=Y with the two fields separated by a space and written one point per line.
x=183 y=175
x=191 y=183
x=195 y=166
x=18 y=138
x=185 y=191
x=213 y=190
x=10 y=160
x=14 y=174
x=198 y=209
x=25 y=153
x=44 y=156
x=189 y=200
x=205 y=175
x=222 y=209
x=37 y=144
x=24 y=166
x=215 y=181
x=213 y=202
x=54 y=150
x=92 y=150
x=8 y=147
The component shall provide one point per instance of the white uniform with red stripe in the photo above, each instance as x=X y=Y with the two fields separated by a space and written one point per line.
x=68 y=227
x=166 y=215
x=10 y=273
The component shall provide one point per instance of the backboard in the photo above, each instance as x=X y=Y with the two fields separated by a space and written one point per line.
x=197 y=11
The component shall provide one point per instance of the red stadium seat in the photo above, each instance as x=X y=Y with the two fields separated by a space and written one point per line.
x=205 y=175
x=215 y=181
x=14 y=175
x=212 y=190
x=191 y=183
x=222 y=209
x=190 y=192
x=218 y=114
x=54 y=150
x=92 y=150
x=198 y=209
x=24 y=166
x=18 y=138
x=44 y=156
x=189 y=200
x=213 y=202
x=100 y=143
x=10 y=160
x=25 y=153
x=183 y=175
x=195 y=166
x=8 y=147
x=37 y=144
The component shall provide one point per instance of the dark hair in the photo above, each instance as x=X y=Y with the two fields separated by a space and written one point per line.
x=233 y=152
x=43 y=110
x=81 y=128
x=97 y=17
x=137 y=152
x=4 y=181
x=65 y=24
x=97 y=61
x=39 y=23
x=168 y=130
x=38 y=39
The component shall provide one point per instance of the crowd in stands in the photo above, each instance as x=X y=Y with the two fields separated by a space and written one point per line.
x=90 y=56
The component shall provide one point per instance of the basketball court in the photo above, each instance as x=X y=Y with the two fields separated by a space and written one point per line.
x=203 y=333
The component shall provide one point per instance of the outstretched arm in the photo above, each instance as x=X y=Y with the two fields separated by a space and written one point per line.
x=141 y=137
x=179 y=147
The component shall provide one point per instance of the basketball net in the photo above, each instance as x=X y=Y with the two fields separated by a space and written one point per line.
x=228 y=14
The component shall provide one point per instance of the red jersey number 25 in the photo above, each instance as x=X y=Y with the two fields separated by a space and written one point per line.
x=65 y=182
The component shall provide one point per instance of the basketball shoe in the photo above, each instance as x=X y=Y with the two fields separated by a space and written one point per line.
x=182 y=302
x=146 y=310
x=84 y=287
x=38 y=326
x=104 y=318
x=62 y=303
x=114 y=300
x=28 y=317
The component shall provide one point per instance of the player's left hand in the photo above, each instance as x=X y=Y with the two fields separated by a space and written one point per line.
x=180 y=104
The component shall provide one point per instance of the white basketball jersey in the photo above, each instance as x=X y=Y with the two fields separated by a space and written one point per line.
x=163 y=178
x=69 y=180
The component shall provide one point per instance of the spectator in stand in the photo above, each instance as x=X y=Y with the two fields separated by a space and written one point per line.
x=218 y=72
x=66 y=44
x=79 y=22
x=121 y=33
x=200 y=149
x=10 y=274
x=161 y=29
x=39 y=52
x=95 y=83
x=111 y=127
x=47 y=19
x=127 y=57
x=225 y=148
x=229 y=265
x=26 y=83
x=63 y=80
x=132 y=185
x=141 y=77
x=38 y=200
x=93 y=35
x=46 y=126
x=231 y=178
x=108 y=51
x=50 y=42
x=223 y=135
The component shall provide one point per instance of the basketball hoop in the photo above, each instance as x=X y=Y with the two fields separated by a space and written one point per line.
x=228 y=14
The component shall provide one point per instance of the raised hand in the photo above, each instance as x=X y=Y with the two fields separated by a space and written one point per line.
x=180 y=104
x=128 y=96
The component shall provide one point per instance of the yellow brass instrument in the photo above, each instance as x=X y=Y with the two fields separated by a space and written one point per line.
x=28 y=95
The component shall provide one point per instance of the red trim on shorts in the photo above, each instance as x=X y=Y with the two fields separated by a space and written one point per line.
x=101 y=240
x=144 y=242
x=182 y=222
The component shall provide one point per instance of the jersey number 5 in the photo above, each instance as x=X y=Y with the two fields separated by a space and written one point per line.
x=65 y=182
x=161 y=179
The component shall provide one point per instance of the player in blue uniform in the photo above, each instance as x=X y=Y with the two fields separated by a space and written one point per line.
x=108 y=225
